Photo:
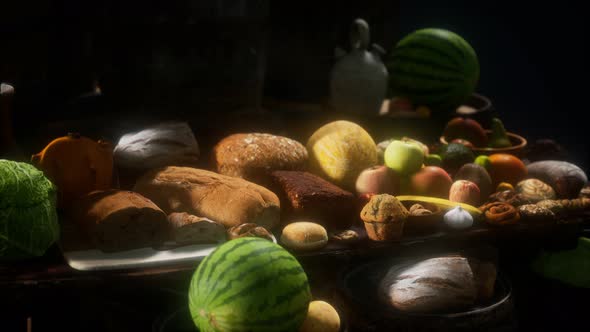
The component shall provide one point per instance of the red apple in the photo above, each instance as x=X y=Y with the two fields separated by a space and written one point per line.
x=378 y=180
x=463 y=191
x=467 y=129
x=431 y=181
x=464 y=142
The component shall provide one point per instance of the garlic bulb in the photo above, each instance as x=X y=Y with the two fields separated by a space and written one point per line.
x=458 y=218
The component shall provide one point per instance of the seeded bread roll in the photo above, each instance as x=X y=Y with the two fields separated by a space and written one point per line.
x=119 y=220
x=253 y=156
x=189 y=229
x=228 y=200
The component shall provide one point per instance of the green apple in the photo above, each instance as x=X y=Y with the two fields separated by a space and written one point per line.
x=483 y=161
x=404 y=157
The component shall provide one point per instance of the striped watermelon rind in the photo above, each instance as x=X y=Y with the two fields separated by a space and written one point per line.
x=249 y=284
x=433 y=67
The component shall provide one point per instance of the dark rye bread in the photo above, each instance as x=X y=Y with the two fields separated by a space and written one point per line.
x=119 y=220
x=252 y=156
x=305 y=196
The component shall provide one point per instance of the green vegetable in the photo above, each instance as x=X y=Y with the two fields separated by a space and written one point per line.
x=569 y=266
x=249 y=284
x=28 y=216
x=499 y=139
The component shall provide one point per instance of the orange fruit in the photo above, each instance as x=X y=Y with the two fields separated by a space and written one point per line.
x=506 y=168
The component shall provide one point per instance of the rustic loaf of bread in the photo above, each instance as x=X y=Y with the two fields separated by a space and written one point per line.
x=165 y=144
x=228 y=200
x=190 y=229
x=118 y=220
x=305 y=196
x=252 y=156
x=432 y=285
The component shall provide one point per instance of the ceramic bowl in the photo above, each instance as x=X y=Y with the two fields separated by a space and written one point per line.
x=360 y=288
x=517 y=148
x=479 y=108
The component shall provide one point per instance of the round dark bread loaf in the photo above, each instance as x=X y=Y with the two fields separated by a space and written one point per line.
x=252 y=156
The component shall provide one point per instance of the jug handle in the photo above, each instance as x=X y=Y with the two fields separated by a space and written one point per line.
x=359 y=34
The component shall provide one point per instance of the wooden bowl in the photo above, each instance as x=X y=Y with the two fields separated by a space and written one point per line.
x=517 y=148
x=423 y=224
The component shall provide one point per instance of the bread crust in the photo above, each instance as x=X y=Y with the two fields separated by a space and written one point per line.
x=228 y=200
x=119 y=220
x=252 y=156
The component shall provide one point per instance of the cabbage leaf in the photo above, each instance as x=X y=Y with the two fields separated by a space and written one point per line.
x=28 y=215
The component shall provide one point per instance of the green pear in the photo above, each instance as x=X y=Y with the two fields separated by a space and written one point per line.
x=499 y=139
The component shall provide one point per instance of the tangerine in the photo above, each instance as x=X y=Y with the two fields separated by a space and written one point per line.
x=506 y=168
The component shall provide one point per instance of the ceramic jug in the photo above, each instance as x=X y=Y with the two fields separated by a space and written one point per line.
x=359 y=79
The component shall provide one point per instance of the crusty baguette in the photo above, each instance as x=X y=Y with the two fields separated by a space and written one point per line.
x=252 y=156
x=119 y=220
x=228 y=200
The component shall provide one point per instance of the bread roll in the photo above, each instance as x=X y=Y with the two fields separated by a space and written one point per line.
x=189 y=229
x=304 y=236
x=432 y=285
x=253 y=156
x=119 y=220
x=227 y=200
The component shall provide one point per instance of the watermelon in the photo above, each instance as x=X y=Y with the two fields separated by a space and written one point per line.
x=433 y=67
x=249 y=284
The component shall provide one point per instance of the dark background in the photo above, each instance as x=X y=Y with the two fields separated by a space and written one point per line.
x=204 y=58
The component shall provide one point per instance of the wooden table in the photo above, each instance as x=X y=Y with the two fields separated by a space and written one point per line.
x=47 y=289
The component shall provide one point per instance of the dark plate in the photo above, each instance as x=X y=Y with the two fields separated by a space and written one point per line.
x=360 y=288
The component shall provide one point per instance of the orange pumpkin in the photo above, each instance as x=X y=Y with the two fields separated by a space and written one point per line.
x=76 y=165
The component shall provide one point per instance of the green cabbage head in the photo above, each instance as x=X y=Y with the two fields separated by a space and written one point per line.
x=28 y=216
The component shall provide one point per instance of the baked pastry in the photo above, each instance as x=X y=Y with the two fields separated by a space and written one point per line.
x=190 y=229
x=384 y=217
x=119 y=220
x=253 y=156
x=248 y=229
x=309 y=197
x=228 y=200
x=304 y=236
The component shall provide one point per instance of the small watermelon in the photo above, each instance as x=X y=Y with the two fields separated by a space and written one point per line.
x=433 y=67
x=249 y=284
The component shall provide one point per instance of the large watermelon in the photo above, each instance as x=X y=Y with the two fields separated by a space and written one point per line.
x=433 y=67
x=249 y=284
